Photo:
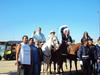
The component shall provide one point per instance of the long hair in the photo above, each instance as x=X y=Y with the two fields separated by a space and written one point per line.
x=86 y=35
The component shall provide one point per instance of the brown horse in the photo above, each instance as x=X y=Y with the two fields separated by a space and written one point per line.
x=72 y=53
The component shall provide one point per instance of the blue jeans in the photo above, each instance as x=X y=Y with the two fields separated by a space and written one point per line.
x=36 y=69
x=98 y=68
x=24 y=70
x=86 y=67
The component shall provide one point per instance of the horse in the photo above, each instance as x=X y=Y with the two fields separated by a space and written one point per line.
x=47 y=48
x=54 y=53
x=72 y=54
x=62 y=56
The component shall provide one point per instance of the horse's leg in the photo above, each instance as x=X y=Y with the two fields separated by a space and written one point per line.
x=70 y=64
x=54 y=65
x=58 y=69
x=66 y=63
x=62 y=66
x=50 y=65
x=44 y=66
x=59 y=66
x=47 y=67
x=75 y=61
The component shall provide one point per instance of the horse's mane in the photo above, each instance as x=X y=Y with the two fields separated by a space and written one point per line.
x=75 y=44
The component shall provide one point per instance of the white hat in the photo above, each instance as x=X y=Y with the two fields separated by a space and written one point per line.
x=63 y=26
x=66 y=29
x=52 y=31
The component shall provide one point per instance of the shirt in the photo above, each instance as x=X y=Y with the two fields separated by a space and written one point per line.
x=83 y=51
x=39 y=37
x=24 y=55
x=35 y=54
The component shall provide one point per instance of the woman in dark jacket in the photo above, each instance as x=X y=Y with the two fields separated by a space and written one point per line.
x=35 y=62
x=66 y=40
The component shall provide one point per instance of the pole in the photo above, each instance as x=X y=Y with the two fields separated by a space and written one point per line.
x=99 y=21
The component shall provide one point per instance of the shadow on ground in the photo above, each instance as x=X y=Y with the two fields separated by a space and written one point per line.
x=71 y=73
x=10 y=73
x=64 y=73
x=68 y=73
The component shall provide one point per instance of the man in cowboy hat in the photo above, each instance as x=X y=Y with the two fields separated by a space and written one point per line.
x=54 y=38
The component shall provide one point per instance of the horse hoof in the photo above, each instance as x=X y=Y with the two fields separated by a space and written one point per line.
x=58 y=72
x=77 y=71
x=50 y=72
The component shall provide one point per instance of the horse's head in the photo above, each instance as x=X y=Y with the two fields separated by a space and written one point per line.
x=53 y=43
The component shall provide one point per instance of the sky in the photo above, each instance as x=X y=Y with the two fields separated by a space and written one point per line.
x=22 y=17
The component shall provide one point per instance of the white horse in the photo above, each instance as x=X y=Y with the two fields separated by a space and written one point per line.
x=52 y=42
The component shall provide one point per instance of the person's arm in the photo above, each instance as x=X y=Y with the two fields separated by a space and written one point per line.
x=17 y=53
x=44 y=39
x=95 y=52
x=80 y=53
x=71 y=39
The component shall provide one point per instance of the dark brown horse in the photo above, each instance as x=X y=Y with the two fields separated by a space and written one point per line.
x=72 y=54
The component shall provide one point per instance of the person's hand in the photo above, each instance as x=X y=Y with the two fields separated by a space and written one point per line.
x=98 y=60
x=81 y=62
x=68 y=43
x=16 y=63
x=78 y=59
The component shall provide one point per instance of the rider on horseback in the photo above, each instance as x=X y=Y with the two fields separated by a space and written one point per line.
x=52 y=44
x=66 y=38
x=66 y=41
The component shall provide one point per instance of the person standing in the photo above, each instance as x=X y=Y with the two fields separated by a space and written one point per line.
x=92 y=54
x=35 y=58
x=98 y=56
x=84 y=57
x=23 y=57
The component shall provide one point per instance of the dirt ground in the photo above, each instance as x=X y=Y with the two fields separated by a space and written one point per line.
x=9 y=68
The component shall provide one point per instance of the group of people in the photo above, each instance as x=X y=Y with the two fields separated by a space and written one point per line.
x=29 y=54
x=89 y=55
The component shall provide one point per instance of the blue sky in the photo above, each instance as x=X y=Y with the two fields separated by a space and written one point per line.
x=19 y=17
